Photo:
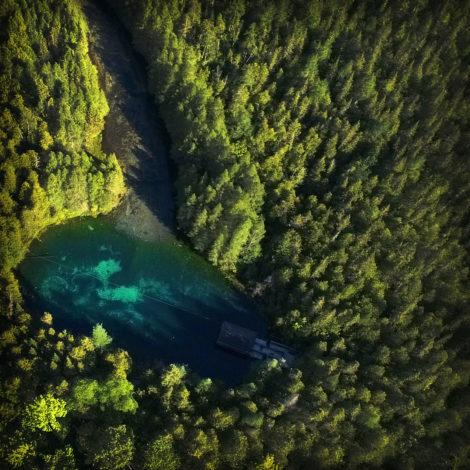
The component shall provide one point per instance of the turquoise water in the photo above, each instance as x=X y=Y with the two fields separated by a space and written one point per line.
x=157 y=300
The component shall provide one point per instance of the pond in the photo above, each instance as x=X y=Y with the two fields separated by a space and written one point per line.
x=158 y=300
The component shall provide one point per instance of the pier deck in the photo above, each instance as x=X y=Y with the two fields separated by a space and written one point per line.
x=246 y=342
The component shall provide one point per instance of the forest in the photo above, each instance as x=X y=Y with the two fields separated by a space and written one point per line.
x=321 y=150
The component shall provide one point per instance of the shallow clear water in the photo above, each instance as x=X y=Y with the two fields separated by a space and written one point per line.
x=157 y=300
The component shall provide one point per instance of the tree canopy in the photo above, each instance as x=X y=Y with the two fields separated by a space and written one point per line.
x=321 y=150
x=100 y=337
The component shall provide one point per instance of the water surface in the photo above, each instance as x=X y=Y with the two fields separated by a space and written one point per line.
x=157 y=299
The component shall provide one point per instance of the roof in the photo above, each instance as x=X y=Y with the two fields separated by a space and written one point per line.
x=236 y=338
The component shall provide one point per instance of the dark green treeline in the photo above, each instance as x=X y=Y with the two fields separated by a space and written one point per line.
x=322 y=154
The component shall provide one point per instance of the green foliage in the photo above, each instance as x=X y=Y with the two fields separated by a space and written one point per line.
x=159 y=454
x=321 y=150
x=113 y=393
x=101 y=339
x=85 y=394
x=43 y=413
x=62 y=459
x=109 y=448
x=18 y=452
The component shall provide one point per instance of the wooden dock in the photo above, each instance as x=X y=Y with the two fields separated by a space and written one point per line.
x=244 y=341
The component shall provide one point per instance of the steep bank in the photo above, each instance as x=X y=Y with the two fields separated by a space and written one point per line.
x=132 y=131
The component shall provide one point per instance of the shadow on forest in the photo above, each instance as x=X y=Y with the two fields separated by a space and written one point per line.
x=150 y=173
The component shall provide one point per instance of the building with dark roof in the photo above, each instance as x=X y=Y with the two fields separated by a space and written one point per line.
x=236 y=338
x=244 y=341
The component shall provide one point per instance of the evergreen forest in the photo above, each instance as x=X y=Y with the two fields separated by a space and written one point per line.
x=322 y=161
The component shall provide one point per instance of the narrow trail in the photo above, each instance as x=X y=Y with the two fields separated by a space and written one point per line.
x=133 y=130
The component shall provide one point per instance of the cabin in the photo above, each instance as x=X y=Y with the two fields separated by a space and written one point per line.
x=244 y=341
